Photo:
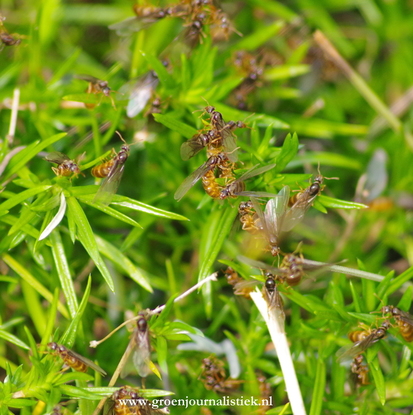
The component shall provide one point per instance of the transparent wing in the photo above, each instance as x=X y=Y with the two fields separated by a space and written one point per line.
x=87 y=78
x=229 y=142
x=275 y=306
x=129 y=363
x=406 y=317
x=275 y=210
x=132 y=24
x=140 y=93
x=259 y=265
x=110 y=184
x=192 y=147
x=192 y=179
x=254 y=171
x=297 y=211
x=251 y=193
x=87 y=362
x=347 y=353
x=142 y=353
x=241 y=286
x=57 y=157
x=263 y=223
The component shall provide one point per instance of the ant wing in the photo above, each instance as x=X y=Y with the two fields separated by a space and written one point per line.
x=87 y=78
x=241 y=286
x=129 y=364
x=56 y=157
x=254 y=171
x=132 y=24
x=248 y=193
x=229 y=142
x=275 y=306
x=296 y=213
x=141 y=93
x=405 y=317
x=275 y=211
x=142 y=353
x=86 y=361
x=192 y=147
x=111 y=183
x=348 y=352
x=192 y=179
x=259 y=265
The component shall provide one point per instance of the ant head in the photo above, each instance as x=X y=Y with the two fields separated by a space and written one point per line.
x=52 y=345
x=142 y=324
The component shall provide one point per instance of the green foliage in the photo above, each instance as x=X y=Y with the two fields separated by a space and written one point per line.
x=72 y=268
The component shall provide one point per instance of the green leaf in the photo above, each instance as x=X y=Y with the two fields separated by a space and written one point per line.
x=87 y=238
x=55 y=220
x=259 y=37
x=164 y=77
x=21 y=197
x=162 y=318
x=288 y=152
x=20 y=403
x=175 y=125
x=355 y=295
x=47 y=335
x=262 y=120
x=180 y=326
x=319 y=388
x=63 y=272
x=400 y=280
x=375 y=370
x=285 y=72
x=142 y=207
x=162 y=352
x=26 y=229
x=13 y=339
x=109 y=211
x=71 y=376
x=331 y=202
x=325 y=159
x=323 y=128
x=85 y=98
x=34 y=307
x=215 y=232
x=22 y=158
x=69 y=337
x=75 y=392
x=26 y=216
x=124 y=263
x=31 y=280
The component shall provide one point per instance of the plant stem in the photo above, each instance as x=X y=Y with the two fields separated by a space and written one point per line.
x=358 y=82
x=157 y=310
x=280 y=342
x=345 y=270
x=128 y=351
x=13 y=118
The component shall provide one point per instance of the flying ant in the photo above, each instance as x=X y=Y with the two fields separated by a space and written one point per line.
x=74 y=360
x=112 y=171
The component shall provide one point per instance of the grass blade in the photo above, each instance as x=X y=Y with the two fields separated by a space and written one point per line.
x=31 y=280
x=117 y=257
x=87 y=239
x=63 y=272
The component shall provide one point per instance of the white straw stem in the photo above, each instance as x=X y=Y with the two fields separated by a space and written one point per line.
x=157 y=310
x=280 y=342
x=345 y=270
x=14 y=112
